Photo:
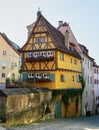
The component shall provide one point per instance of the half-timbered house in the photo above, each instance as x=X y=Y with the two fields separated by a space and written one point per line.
x=48 y=59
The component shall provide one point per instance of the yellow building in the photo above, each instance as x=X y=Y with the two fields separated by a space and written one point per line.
x=9 y=60
x=50 y=61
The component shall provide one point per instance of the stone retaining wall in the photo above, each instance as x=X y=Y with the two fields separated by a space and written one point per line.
x=25 y=108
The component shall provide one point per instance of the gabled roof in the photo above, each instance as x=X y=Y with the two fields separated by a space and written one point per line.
x=85 y=52
x=57 y=37
x=11 y=43
x=65 y=26
x=95 y=65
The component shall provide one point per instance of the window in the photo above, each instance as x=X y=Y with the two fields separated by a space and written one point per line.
x=91 y=66
x=90 y=80
x=40 y=39
x=78 y=78
x=30 y=75
x=3 y=75
x=94 y=70
x=4 y=52
x=43 y=53
x=40 y=23
x=3 y=63
x=62 y=56
x=39 y=76
x=72 y=78
x=88 y=64
x=50 y=54
x=97 y=81
x=75 y=61
x=36 y=54
x=29 y=54
x=62 y=78
x=85 y=61
x=94 y=81
x=71 y=60
x=97 y=71
x=46 y=76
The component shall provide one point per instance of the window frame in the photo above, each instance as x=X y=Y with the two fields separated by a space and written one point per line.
x=4 y=52
x=40 y=23
x=3 y=63
x=40 y=39
x=3 y=75
x=62 y=56
x=62 y=78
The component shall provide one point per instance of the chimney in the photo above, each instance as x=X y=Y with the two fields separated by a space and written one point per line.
x=67 y=39
x=60 y=23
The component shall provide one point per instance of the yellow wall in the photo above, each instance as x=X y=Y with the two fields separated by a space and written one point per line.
x=11 y=56
x=66 y=63
x=57 y=84
x=68 y=83
x=71 y=112
x=32 y=40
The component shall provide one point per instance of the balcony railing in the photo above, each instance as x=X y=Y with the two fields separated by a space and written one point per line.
x=40 y=58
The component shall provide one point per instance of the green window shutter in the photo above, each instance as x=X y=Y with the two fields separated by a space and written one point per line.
x=52 y=77
x=25 y=76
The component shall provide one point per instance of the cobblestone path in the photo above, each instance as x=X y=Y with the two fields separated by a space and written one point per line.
x=82 y=123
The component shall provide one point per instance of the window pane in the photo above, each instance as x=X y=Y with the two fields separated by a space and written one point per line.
x=4 y=52
x=40 y=23
x=3 y=63
x=3 y=75
x=62 y=78
x=40 y=39
x=61 y=56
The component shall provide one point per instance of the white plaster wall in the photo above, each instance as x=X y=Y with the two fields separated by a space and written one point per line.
x=96 y=86
x=87 y=97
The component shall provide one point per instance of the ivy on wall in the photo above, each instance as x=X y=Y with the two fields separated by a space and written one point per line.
x=71 y=93
x=67 y=94
x=82 y=82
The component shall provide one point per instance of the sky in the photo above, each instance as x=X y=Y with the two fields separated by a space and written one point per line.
x=82 y=16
